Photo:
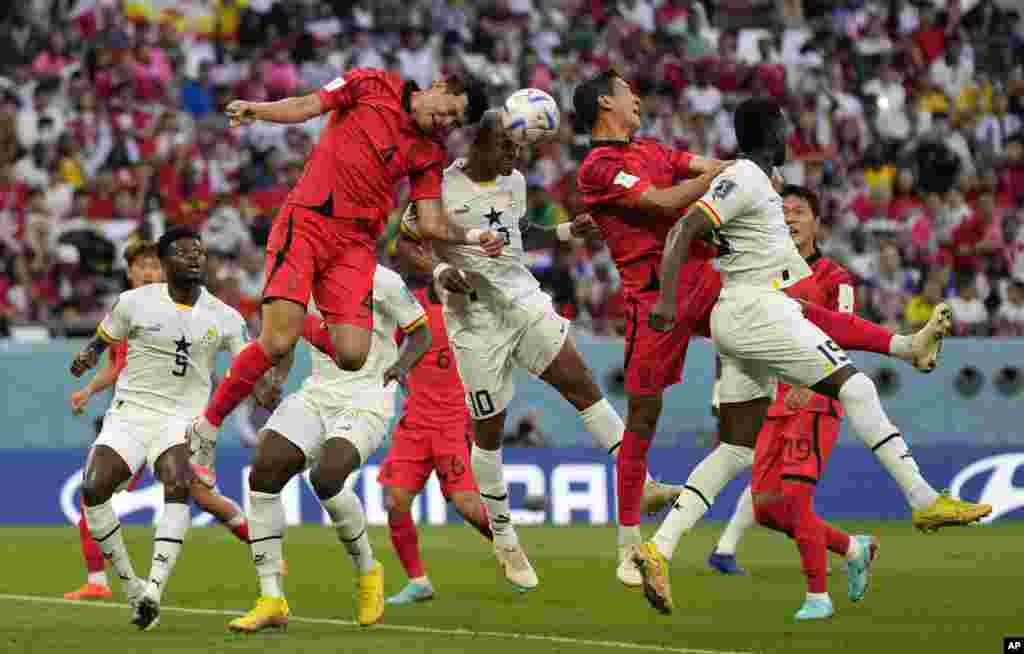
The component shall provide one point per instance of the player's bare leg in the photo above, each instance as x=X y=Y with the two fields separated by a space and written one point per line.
x=472 y=511
x=490 y=476
x=571 y=377
x=224 y=509
x=105 y=471
x=174 y=472
x=277 y=460
x=859 y=397
x=739 y=424
x=338 y=459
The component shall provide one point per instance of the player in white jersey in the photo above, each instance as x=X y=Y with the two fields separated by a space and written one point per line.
x=336 y=420
x=174 y=331
x=498 y=319
x=762 y=336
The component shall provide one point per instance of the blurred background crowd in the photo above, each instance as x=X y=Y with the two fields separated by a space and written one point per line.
x=907 y=120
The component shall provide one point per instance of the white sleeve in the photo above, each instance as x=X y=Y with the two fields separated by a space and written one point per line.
x=236 y=334
x=399 y=301
x=117 y=324
x=727 y=198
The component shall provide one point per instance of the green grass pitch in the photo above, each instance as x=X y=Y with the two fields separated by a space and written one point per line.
x=956 y=591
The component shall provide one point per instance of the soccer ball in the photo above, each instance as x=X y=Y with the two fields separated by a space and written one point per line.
x=532 y=116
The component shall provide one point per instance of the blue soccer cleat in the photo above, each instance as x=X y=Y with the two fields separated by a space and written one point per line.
x=858 y=570
x=725 y=563
x=815 y=609
x=412 y=593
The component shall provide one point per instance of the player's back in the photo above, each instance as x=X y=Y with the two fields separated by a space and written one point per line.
x=436 y=395
x=394 y=308
x=612 y=172
x=369 y=143
x=756 y=248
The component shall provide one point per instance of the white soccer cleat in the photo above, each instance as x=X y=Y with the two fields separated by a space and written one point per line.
x=627 y=572
x=926 y=344
x=516 y=567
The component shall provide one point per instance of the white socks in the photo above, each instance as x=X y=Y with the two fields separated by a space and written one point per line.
x=106 y=531
x=709 y=477
x=860 y=401
x=742 y=518
x=167 y=542
x=350 y=522
x=98 y=578
x=490 y=476
x=266 y=530
x=605 y=425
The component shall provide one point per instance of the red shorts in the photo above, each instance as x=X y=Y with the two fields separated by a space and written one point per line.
x=417 y=449
x=793 y=447
x=654 y=360
x=332 y=259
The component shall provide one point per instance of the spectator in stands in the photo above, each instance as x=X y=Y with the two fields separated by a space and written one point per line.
x=1009 y=320
x=890 y=286
x=921 y=306
x=197 y=95
x=970 y=315
x=978 y=240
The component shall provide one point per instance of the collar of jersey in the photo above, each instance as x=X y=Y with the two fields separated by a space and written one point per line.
x=811 y=260
x=610 y=143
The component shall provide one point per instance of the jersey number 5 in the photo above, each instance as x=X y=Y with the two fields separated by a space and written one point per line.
x=180 y=365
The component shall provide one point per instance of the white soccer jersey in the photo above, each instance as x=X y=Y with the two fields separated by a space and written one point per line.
x=331 y=388
x=498 y=206
x=756 y=248
x=172 y=348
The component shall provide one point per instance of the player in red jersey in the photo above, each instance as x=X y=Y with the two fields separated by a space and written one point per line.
x=433 y=435
x=631 y=187
x=380 y=130
x=143 y=267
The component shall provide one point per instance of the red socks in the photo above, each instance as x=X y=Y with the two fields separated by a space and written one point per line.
x=247 y=369
x=90 y=548
x=630 y=475
x=406 y=542
x=315 y=331
x=848 y=331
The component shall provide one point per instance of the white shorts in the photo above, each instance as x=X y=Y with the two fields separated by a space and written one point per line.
x=489 y=344
x=763 y=337
x=141 y=436
x=310 y=427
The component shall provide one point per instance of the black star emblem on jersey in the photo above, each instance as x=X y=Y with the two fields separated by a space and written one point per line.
x=494 y=217
x=181 y=345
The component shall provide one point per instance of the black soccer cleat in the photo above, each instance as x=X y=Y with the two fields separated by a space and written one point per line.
x=147 y=614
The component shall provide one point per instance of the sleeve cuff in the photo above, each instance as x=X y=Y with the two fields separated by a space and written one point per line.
x=710 y=212
x=107 y=338
x=405 y=229
x=415 y=324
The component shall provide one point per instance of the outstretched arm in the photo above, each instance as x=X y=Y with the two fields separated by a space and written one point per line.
x=89 y=356
x=414 y=346
x=433 y=225
x=678 y=197
x=695 y=224
x=298 y=109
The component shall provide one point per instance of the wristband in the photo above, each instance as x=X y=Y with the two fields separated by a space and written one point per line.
x=564 y=232
x=473 y=235
x=439 y=270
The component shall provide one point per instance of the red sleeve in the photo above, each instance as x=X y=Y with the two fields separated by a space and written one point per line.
x=428 y=172
x=680 y=163
x=831 y=284
x=604 y=179
x=343 y=91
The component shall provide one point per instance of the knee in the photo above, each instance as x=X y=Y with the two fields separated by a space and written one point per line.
x=327 y=486
x=279 y=342
x=176 y=490
x=267 y=478
x=350 y=357
x=96 y=491
x=397 y=501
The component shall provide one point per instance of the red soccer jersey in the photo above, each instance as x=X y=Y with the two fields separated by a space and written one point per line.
x=119 y=356
x=369 y=144
x=436 y=395
x=609 y=179
x=829 y=286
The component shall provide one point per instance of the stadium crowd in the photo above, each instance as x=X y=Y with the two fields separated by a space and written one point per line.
x=906 y=117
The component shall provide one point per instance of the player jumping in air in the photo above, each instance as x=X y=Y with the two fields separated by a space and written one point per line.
x=628 y=186
x=143 y=268
x=762 y=335
x=331 y=426
x=498 y=320
x=322 y=243
x=433 y=435
x=174 y=331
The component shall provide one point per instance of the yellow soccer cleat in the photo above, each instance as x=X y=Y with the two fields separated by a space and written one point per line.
x=370 y=595
x=270 y=613
x=926 y=344
x=946 y=511
x=657 y=496
x=654 y=569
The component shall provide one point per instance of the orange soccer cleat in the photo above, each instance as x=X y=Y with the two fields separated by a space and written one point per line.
x=89 y=592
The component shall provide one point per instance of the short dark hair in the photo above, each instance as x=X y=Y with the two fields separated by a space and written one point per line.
x=804 y=193
x=586 y=99
x=476 y=96
x=140 y=248
x=754 y=122
x=490 y=122
x=172 y=236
